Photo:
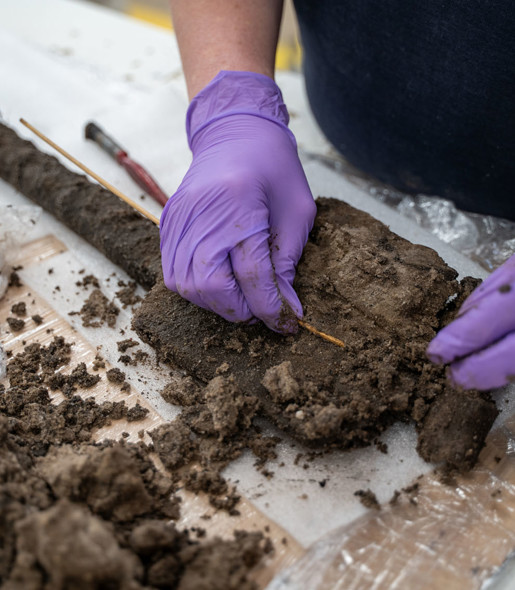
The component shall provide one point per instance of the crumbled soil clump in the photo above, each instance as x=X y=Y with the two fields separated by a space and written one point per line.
x=136 y=413
x=408 y=493
x=182 y=390
x=215 y=427
x=68 y=384
x=14 y=278
x=368 y=499
x=16 y=324
x=124 y=345
x=127 y=293
x=115 y=375
x=75 y=514
x=98 y=363
x=452 y=421
x=19 y=308
x=385 y=298
x=87 y=281
x=139 y=357
x=97 y=310
x=37 y=319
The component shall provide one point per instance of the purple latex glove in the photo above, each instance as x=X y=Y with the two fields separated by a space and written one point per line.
x=233 y=233
x=480 y=342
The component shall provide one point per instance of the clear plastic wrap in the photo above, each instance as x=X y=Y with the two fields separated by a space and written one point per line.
x=453 y=534
x=487 y=240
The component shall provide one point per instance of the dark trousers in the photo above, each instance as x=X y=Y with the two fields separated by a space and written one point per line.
x=420 y=95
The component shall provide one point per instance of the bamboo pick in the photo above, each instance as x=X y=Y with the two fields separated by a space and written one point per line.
x=148 y=215
x=98 y=178
x=323 y=335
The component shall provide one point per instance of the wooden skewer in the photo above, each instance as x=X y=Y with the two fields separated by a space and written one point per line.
x=148 y=215
x=323 y=335
x=98 y=178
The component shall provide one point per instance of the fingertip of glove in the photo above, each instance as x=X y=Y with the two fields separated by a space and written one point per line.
x=435 y=353
x=470 y=373
x=287 y=321
x=461 y=377
x=448 y=346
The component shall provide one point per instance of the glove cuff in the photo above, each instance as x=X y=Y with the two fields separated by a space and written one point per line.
x=236 y=93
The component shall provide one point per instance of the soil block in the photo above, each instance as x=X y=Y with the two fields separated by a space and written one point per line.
x=385 y=298
x=382 y=295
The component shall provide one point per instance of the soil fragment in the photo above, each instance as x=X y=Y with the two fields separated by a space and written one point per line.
x=19 y=308
x=127 y=293
x=368 y=499
x=115 y=375
x=16 y=324
x=98 y=310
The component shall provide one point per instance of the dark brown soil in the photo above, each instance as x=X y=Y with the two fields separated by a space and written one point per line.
x=16 y=324
x=136 y=413
x=213 y=430
x=98 y=363
x=139 y=357
x=98 y=310
x=368 y=499
x=115 y=375
x=14 y=278
x=68 y=384
x=19 y=308
x=37 y=319
x=105 y=221
x=408 y=493
x=385 y=298
x=83 y=516
x=87 y=281
x=124 y=345
x=127 y=294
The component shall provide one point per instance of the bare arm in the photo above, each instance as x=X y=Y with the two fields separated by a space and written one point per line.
x=245 y=185
x=216 y=35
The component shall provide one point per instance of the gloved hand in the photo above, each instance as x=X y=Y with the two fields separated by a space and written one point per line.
x=480 y=342
x=233 y=233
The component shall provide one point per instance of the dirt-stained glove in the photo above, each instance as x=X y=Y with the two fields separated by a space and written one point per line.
x=233 y=233
x=480 y=342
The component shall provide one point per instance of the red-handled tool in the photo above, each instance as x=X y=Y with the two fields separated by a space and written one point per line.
x=137 y=172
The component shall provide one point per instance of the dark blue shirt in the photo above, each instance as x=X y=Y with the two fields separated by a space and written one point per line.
x=420 y=95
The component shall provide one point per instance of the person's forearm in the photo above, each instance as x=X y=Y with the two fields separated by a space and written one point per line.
x=216 y=35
